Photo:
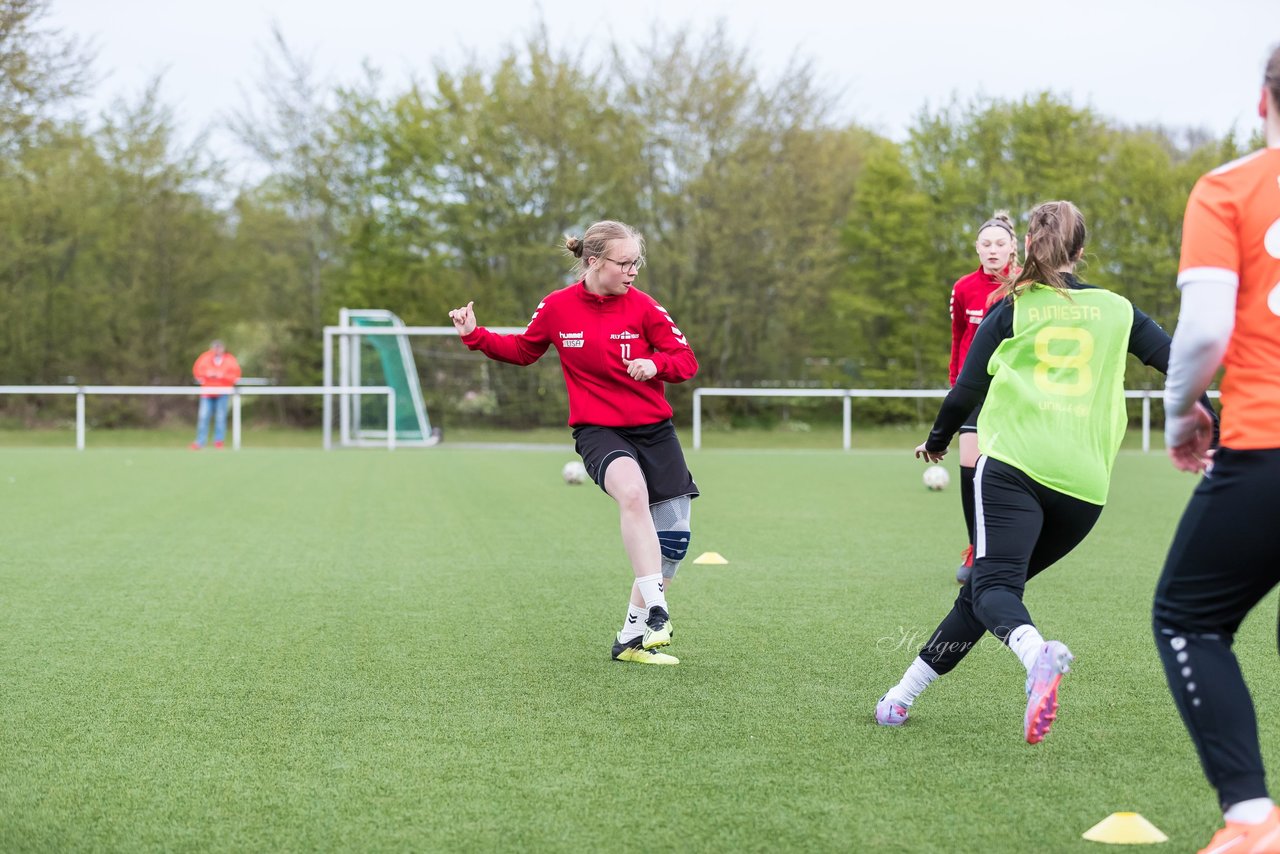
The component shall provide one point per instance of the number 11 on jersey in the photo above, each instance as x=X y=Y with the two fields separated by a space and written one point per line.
x=626 y=351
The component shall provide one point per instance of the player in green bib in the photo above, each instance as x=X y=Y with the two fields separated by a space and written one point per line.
x=1049 y=358
x=1055 y=408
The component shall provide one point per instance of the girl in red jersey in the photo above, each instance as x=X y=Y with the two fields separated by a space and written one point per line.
x=617 y=347
x=998 y=254
x=1225 y=556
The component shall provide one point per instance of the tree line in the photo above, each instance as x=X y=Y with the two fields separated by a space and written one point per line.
x=793 y=247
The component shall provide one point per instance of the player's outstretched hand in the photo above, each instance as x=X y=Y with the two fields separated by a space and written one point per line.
x=464 y=319
x=1190 y=440
x=923 y=453
x=640 y=369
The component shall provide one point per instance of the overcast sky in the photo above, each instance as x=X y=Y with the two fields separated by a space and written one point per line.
x=1180 y=63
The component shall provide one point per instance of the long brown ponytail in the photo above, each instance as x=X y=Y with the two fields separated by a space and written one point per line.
x=1056 y=235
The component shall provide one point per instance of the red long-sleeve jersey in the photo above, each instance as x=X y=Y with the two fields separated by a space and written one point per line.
x=969 y=297
x=593 y=334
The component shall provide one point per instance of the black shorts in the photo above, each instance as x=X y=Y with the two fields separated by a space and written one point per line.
x=654 y=446
x=1225 y=556
x=970 y=424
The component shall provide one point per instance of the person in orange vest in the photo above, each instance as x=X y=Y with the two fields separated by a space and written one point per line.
x=217 y=370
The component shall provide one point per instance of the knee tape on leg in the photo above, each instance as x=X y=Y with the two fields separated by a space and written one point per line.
x=671 y=520
x=674 y=543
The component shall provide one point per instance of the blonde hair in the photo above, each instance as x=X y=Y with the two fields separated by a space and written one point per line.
x=1000 y=219
x=595 y=240
x=1056 y=236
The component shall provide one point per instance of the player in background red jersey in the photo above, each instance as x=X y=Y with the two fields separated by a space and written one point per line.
x=1225 y=556
x=617 y=348
x=997 y=248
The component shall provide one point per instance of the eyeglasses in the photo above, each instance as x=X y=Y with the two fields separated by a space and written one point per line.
x=627 y=266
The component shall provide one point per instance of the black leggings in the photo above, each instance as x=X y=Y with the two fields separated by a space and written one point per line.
x=1022 y=528
x=1224 y=559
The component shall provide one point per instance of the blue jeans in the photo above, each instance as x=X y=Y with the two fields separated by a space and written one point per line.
x=216 y=406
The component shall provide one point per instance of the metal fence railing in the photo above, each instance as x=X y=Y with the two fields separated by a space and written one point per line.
x=848 y=395
x=237 y=393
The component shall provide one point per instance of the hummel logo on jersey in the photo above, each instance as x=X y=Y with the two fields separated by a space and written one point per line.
x=675 y=330
x=571 y=339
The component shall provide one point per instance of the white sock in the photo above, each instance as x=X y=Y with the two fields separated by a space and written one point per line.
x=1025 y=641
x=651 y=590
x=633 y=625
x=914 y=681
x=1253 y=811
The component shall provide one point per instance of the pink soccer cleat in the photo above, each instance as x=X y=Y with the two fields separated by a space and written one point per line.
x=889 y=713
x=1053 y=660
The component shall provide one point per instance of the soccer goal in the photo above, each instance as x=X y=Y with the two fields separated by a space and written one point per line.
x=373 y=352
x=432 y=372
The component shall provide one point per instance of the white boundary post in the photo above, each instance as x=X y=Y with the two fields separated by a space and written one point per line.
x=80 y=420
x=846 y=411
x=344 y=399
x=697 y=418
x=1146 y=421
x=328 y=383
x=391 y=419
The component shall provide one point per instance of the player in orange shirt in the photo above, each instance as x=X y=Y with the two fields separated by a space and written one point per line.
x=1225 y=556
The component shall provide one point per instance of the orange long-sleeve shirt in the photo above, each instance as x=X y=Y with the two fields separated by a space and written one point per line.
x=212 y=371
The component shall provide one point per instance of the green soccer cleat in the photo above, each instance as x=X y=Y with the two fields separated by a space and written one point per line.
x=633 y=650
x=657 y=628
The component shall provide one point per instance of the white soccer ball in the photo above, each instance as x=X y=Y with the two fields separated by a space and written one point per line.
x=936 y=478
x=574 y=473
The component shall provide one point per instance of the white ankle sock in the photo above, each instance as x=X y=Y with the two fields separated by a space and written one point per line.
x=1253 y=811
x=633 y=625
x=651 y=590
x=914 y=681
x=1025 y=641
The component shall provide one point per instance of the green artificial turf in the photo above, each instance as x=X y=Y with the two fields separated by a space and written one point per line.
x=289 y=650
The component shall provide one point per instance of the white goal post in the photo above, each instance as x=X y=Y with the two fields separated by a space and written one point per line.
x=347 y=337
